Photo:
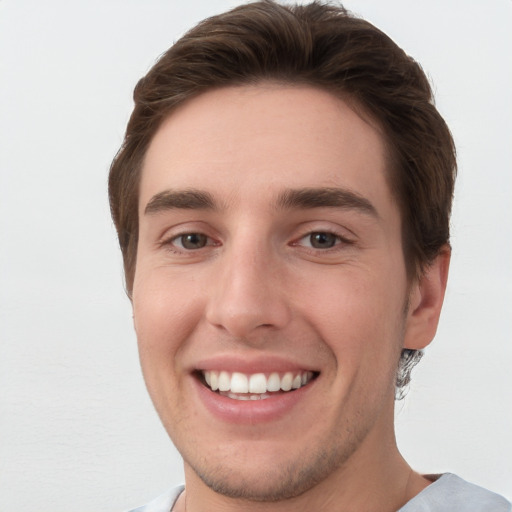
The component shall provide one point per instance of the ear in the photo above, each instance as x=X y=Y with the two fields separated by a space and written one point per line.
x=425 y=302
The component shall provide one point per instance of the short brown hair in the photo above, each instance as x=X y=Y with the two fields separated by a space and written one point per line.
x=318 y=45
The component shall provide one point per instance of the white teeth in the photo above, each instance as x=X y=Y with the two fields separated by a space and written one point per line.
x=258 y=383
x=214 y=380
x=286 y=381
x=255 y=386
x=297 y=382
x=239 y=383
x=238 y=397
x=224 y=381
x=274 y=382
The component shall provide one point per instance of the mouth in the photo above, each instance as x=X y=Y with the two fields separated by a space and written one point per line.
x=254 y=386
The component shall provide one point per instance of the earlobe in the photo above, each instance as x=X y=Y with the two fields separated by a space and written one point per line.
x=426 y=301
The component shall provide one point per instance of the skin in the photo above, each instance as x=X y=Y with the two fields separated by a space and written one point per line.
x=260 y=289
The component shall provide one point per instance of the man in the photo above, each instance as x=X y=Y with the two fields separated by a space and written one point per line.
x=282 y=200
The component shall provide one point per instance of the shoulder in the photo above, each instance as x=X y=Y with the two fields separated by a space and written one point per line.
x=162 y=503
x=451 y=493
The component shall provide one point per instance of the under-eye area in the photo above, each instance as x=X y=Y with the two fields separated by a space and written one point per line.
x=255 y=386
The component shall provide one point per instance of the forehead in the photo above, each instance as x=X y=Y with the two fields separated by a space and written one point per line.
x=238 y=140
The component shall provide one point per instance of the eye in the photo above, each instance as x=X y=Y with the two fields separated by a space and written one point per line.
x=321 y=240
x=190 y=241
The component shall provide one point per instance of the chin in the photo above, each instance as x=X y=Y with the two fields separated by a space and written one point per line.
x=271 y=481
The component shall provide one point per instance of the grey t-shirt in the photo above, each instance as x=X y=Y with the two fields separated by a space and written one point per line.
x=448 y=493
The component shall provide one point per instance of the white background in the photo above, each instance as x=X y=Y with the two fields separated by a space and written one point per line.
x=77 y=432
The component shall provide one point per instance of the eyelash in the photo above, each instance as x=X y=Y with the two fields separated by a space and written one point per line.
x=170 y=243
x=339 y=241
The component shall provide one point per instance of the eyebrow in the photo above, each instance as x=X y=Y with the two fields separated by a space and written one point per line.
x=290 y=199
x=190 y=199
x=325 y=197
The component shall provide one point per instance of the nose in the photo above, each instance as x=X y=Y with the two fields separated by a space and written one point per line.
x=248 y=296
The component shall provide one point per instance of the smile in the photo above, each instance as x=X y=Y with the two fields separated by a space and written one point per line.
x=256 y=386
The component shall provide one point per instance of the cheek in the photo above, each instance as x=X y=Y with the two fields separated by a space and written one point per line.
x=164 y=317
x=165 y=313
x=358 y=314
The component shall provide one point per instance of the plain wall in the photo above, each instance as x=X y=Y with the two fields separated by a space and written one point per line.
x=77 y=431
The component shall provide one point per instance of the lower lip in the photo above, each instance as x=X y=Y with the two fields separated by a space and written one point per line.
x=250 y=411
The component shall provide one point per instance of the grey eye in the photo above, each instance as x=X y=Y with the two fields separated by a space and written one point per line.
x=192 y=241
x=322 y=240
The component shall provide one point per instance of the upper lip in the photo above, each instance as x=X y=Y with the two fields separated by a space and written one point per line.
x=270 y=364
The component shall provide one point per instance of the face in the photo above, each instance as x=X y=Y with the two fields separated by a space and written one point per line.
x=270 y=293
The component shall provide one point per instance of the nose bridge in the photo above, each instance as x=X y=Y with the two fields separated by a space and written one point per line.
x=247 y=293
